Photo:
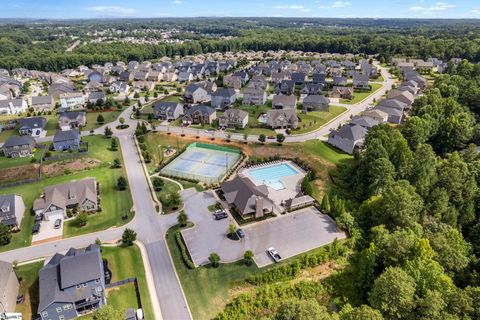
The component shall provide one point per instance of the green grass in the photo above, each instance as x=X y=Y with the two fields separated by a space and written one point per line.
x=123 y=297
x=5 y=134
x=17 y=162
x=92 y=123
x=114 y=203
x=359 y=96
x=314 y=120
x=188 y=184
x=126 y=263
x=52 y=125
x=174 y=98
x=253 y=114
x=28 y=277
x=168 y=188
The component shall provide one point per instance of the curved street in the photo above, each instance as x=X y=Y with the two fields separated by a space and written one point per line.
x=152 y=227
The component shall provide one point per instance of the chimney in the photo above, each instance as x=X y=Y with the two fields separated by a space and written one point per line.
x=258 y=207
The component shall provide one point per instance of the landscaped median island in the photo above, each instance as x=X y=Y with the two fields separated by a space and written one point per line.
x=115 y=205
x=122 y=263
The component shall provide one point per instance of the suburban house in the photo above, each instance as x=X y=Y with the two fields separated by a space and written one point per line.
x=125 y=76
x=185 y=76
x=72 y=285
x=72 y=100
x=199 y=92
x=316 y=103
x=42 y=103
x=119 y=87
x=155 y=76
x=311 y=88
x=282 y=119
x=395 y=115
x=319 y=78
x=348 y=138
x=364 y=121
x=34 y=126
x=254 y=96
x=13 y=106
x=298 y=77
x=339 y=81
x=284 y=102
x=232 y=82
x=66 y=140
x=170 y=77
x=243 y=76
x=71 y=120
x=233 y=118
x=95 y=76
x=168 y=110
x=55 y=201
x=199 y=114
x=286 y=87
x=393 y=103
x=361 y=81
x=140 y=75
x=223 y=98
x=19 y=146
x=341 y=92
x=9 y=287
x=402 y=96
x=12 y=209
x=378 y=115
x=280 y=76
x=95 y=97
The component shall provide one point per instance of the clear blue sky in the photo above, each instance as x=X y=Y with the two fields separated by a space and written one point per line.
x=67 y=9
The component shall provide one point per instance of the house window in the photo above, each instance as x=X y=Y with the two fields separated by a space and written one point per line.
x=59 y=310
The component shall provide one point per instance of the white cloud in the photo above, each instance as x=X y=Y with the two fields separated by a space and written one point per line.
x=336 y=5
x=178 y=2
x=475 y=11
x=113 y=10
x=439 y=6
x=293 y=7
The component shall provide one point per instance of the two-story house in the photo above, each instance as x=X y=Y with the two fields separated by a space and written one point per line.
x=33 y=126
x=233 y=118
x=12 y=209
x=168 y=110
x=66 y=140
x=223 y=98
x=72 y=100
x=199 y=114
x=19 y=146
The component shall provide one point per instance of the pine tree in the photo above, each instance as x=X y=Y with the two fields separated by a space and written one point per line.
x=326 y=203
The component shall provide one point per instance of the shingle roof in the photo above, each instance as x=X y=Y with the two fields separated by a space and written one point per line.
x=19 y=141
x=352 y=132
x=66 y=135
x=32 y=123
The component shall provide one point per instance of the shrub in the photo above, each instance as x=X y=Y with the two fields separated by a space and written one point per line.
x=183 y=250
x=128 y=237
x=81 y=220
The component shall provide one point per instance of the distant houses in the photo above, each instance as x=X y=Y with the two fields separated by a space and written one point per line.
x=9 y=287
x=12 y=209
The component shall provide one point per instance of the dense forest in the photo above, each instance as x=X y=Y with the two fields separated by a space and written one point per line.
x=42 y=46
x=410 y=203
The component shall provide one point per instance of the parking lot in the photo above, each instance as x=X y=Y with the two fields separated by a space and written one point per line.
x=291 y=234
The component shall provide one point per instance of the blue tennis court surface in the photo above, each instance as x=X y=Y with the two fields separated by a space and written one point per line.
x=203 y=162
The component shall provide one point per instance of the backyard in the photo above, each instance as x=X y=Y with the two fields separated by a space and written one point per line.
x=115 y=203
x=28 y=277
x=359 y=96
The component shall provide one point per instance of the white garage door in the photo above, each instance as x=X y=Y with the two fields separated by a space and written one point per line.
x=52 y=216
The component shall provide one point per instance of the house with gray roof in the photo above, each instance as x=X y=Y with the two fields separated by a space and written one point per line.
x=33 y=126
x=9 y=287
x=254 y=96
x=393 y=103
x=395 y=115
x=71 y=119
x=72 y=285
x=223 y=98
x=19 y=146
x=319 y=78
x=284 y=102
x=169 y=111
x=348 y=138
x=316 y=103
x=42 y=103
x=64 y=140
x=298 y=77
x=199 y=114
x=233 y=118
x=56 y=199
x=377 y=115
x=232 y=82
x=286 y=87
x=361 y=81
x=401 y=95
x=364 y=121
x=312 y=88
x=13 y=106
x=282 y=119
x=339 y=81
x=95 y=96
x=12 y=209
x=197 y=93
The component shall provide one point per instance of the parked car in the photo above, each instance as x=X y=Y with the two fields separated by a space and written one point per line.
x=271 y=137
x=36 y=228
x=241 y=233
x=58 y=224
x=220 y=215
x=274 y=254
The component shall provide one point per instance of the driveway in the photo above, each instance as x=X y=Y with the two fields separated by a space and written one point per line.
x=291 y=234
x=47 y=232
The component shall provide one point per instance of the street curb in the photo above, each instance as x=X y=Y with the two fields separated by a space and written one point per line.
x=149 y=275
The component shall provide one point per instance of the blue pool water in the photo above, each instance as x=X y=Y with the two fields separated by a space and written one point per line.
x=271 y=175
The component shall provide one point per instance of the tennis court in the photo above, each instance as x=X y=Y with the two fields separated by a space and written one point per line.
x=203 y=162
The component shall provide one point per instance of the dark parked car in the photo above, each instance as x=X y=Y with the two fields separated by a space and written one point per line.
x=220 y=215
x=58 y=224
x=36 y=228
x=241 y=233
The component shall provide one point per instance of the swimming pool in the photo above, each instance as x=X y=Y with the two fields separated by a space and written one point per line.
x=271 y=175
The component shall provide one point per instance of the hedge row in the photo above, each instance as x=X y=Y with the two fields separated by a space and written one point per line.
x=291 y=270
x=183 y=250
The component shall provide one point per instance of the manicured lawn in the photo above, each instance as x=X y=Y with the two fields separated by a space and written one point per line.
x=28 y=277
x=16 y=162
x=52 y=125
x=126 y=263
x=114 y=203
x=314 y=120
x=168 y=188
x=360 y=96
x=92 y=123
x=173 y=98
x=5 y=134
x=253 y=114
x=188 y=184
